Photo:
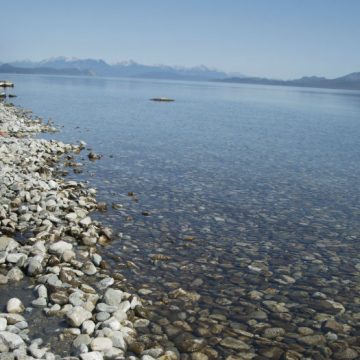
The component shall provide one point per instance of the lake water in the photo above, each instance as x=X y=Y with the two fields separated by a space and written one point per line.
x=246 y=195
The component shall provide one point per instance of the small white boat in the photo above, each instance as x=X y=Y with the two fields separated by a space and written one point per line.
x=6 y=83
x=162 y=99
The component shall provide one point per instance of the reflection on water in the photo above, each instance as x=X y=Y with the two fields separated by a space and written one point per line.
x=245 y=195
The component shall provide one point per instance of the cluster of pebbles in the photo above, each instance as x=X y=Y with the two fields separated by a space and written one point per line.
x=57 y=249
x=257 y=299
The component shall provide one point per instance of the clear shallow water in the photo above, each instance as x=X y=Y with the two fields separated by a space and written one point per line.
x=261 y=182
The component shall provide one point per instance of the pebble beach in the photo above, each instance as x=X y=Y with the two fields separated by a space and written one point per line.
x=57 y=251
x=64 y=271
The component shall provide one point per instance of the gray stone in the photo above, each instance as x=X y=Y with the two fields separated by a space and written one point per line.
x=7 y=356
x=124 y=306
x=118 y=340
x=272 y=333
x=88 y=327
x=39 y=302
x=105 y=283
x=36 y=352
x=85 y=221
x=154 y=352
x=82 y=339
x=77 y=298
x=13 y=341
x=312 y=340
x=16 y=258
x=42 y=291
x=89 y=268
x=347 y=354
x=35 y=266
x=96 y=259
x=113 y=296
x=59 y=247
x=120 y=315
x=8 y=244
x=105 y=307
x=15 y=274
x=233 y=343
x=68 y=255
x=102 y=316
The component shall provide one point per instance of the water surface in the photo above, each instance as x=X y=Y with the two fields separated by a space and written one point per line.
x=251 y=193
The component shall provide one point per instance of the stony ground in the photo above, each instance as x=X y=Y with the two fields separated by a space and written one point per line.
x=285 y=309
x=58 y=250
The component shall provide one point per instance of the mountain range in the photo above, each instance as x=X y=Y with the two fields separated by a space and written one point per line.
x=93 y=67
x=347 y=82
x=121 y=69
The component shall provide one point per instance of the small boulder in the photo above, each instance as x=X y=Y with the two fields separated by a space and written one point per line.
x=15 y=306
x=77 y=315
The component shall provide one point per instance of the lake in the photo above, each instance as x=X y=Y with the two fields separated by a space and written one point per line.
x=246 y=198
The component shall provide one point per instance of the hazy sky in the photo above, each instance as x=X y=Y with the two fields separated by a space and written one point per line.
x=277 y=38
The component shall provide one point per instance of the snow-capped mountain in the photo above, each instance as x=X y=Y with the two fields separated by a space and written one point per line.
x=128 y=68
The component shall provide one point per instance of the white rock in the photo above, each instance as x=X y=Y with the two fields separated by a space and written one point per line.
x=124 y=306
x=118 y=340
x=77 y=316
x=8 y=244
x=88 y=327
x=113 y=296
x=85 y=221
x=93 y=355
x=68 y=255
x=53 y=185
x=42 y=291
x=71 y=217
x=15 y=274
x=13 y=341
x=147 y=357
x=101 y=344
x=115 y=353
x=96 y=259
x=16 y=258
x=105 y=283
x=120 y=315
x=15 y=306
x=89 y=268
x=112 y=323
x=36 y=352
x=59 y=247
x=135 y=302
x=3 y=324
x=49 y=356
x=35 y=266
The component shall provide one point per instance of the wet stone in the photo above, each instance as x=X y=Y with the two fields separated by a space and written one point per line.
x=272 y=333
x=233 y=343
x=312 y=340
x=187 y=343
x=347 y=354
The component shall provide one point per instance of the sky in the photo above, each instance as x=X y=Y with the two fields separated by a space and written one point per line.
x=272 y=38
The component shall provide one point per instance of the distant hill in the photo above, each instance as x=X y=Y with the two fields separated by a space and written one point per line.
x=97 y=67
x=10 y=69
x=125 y=69
x=347 y=82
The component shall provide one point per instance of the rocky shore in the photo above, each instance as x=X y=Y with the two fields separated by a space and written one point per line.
x=258 y=299
x=47 y=234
